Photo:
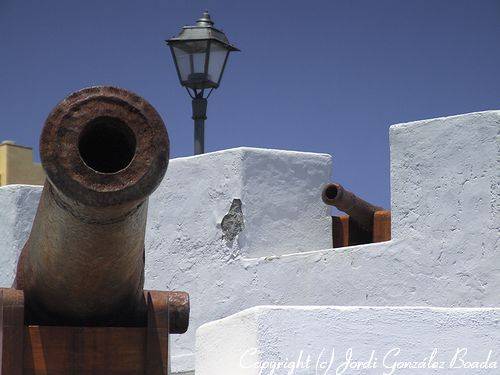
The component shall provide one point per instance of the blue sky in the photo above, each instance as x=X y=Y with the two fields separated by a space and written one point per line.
x=322 y=76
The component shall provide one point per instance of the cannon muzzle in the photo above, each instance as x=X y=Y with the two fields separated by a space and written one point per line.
x=358 y=209
x=104 y=150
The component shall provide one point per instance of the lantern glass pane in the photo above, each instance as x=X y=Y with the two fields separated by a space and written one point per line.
x=191 y=57
x=218 y=53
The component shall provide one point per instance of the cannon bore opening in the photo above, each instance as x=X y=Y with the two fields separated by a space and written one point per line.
x=331 y=191
x=107 y=145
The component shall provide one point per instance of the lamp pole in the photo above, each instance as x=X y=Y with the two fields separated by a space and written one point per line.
x=199 y=116
x=200 y=54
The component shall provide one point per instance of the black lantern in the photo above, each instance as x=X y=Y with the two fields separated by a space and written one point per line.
x=200 y=54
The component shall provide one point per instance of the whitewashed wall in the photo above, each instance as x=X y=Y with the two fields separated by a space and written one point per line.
x=281 y=340
x=444 y=252
x=18 y=204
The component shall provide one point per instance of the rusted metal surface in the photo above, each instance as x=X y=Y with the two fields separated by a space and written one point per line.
x=105 y=150
x=366 y=223
x=358 y=209
x=178 y=308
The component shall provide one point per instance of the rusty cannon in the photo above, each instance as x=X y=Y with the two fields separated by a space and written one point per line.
x=80 y=276
x=365 y=223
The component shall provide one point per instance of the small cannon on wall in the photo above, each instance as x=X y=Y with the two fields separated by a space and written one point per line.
x=78 y=305
x=366 y=223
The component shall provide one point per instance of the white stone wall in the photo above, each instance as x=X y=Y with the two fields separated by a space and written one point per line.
x=283 y=340
x=18 y=204
x=444 y=252
x=186 y=249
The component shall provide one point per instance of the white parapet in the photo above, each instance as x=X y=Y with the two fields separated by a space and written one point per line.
x=244 y=201
x=18 y=204
x=307 y=340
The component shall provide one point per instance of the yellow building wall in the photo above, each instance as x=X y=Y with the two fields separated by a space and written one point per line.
x=3 y=166
x=17 y=166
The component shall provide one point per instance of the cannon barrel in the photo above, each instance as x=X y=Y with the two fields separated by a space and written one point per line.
x=358 y=209
x=104 y=150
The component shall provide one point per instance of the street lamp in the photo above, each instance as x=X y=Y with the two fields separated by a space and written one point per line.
x=200 y=54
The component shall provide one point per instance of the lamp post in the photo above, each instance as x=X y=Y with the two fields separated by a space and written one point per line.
x=200 y=55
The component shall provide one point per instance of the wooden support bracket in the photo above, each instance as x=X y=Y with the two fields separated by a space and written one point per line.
x=157 y=361
x=11 y=331
x=52 y=350
x=347 y=232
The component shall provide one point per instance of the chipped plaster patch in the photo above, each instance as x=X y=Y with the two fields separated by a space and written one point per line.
x=232 y=223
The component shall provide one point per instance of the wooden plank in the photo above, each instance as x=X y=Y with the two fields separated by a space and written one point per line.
x=157 y=334
x=11 y=331
x=382 y=226
x=112 y=350
x=340 y=231
x=357 y=234
x=84 y=350
x=48 y=350
x=347 y=232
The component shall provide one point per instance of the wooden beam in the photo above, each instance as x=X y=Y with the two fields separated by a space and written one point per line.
x=382 y=226
x=340 y=231
x=11 y=331
x=52 y=350
x=347 y=232
x=157 y=361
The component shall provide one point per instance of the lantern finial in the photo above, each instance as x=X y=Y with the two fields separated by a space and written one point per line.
x=205 y=20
